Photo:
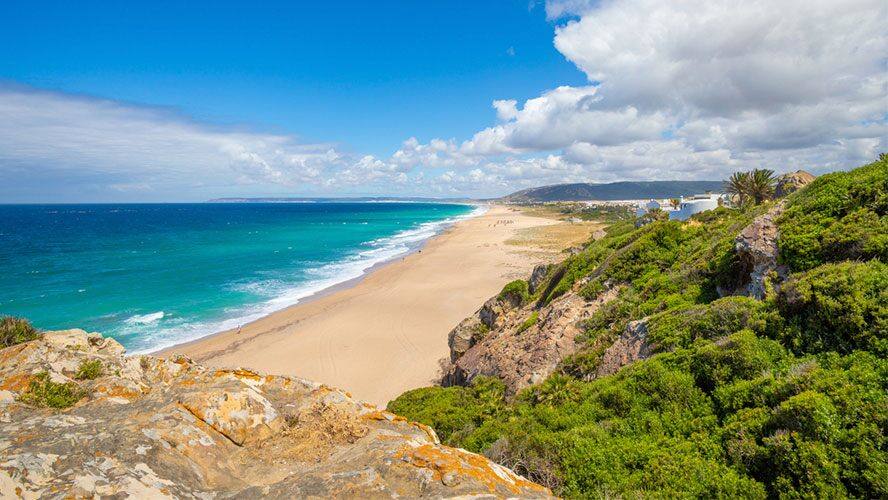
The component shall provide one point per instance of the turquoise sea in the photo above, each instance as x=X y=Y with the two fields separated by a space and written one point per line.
x=154 y=275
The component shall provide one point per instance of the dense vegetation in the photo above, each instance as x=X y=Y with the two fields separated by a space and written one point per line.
x=784 y=397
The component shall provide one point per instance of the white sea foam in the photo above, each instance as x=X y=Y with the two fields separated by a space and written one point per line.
x=325 y=276
x=144 y=319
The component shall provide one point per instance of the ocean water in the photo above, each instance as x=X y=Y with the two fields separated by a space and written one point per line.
x=155 y=275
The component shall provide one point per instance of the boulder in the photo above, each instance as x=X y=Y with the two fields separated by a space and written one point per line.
x=756 y=246
x=791 y=182
x=630 y=347
x=168 y=428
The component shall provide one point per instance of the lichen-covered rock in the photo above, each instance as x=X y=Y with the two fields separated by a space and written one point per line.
x=526 y=344
x=630 y=347
x=756 y=246
x=158 y=428
x=791 y=182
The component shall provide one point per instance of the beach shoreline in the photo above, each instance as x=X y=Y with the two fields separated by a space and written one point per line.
x=383 y=333
x=479 y=210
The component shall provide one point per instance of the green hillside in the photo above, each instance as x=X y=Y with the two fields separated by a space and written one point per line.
x=626 y=190
x=784 y=397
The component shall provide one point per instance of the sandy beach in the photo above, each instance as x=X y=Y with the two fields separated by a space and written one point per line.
x=386 y=333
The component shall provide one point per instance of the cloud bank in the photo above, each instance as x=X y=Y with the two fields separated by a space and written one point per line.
x=676 y=90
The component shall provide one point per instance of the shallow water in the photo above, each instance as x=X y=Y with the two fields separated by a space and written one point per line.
x=158 y=274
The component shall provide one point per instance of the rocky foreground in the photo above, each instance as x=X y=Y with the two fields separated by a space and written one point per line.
x=149 y=427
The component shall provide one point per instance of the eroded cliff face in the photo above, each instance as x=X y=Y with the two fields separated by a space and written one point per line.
x=149 y=427
x=521 y=345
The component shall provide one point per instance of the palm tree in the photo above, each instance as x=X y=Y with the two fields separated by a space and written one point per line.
x=675 y=202
x=737 y=185
x=761 y=185
x=756 y=185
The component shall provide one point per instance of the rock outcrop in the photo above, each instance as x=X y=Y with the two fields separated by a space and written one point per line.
x=490 y=316
x=756 y=246
x=630 y=347
x=537 y=277
x=791 y=182
x=148 y=427
x=524 y=345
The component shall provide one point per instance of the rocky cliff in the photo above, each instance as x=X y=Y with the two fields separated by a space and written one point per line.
x=519 y=343
x=523 y=343
x=80 y=419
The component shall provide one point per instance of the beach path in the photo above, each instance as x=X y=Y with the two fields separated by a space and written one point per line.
x=386 y=333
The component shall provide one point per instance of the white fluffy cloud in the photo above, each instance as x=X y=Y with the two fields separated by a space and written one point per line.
x=698 y=88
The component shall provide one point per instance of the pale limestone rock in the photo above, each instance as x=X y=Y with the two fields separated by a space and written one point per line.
x=159 y=428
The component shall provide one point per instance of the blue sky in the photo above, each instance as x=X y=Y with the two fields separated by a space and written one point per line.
x=185 y=101
x=365 y=74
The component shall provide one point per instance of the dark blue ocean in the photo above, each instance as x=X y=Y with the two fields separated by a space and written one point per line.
x=158 y=274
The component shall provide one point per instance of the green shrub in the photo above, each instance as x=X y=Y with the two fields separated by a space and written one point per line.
x=453 y=412
x=799 y=468
x=89 y=370
x=738 y=356
x=15 y=331
x=839 y=216
x=517 y=292
x=479 y=331
x=682 y=326
x=837 y=307
x=592 y=289
x=44 y=392
x=529 y=322
x=810 y=413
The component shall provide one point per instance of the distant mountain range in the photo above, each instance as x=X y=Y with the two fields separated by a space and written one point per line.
x=341 y=200
x=613 y=191
x=556 y=192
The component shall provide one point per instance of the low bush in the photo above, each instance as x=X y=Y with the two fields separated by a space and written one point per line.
x=43 y=392
x=89 y=370
x=516 y=292
x=454 y=412
x=839 y=216
x=836 y=307
x=15 y=331
x=683 y=325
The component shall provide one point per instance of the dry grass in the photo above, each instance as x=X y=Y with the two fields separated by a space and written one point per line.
x=556 y=237
x=551 y=211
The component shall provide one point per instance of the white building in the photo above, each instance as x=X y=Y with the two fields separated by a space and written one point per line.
x=644 y=208
x=689 y=205
x=697 y=203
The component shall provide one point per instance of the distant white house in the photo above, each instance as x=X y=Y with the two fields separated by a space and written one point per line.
x=697 y=203
x=646 y=207
x=689 y=205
